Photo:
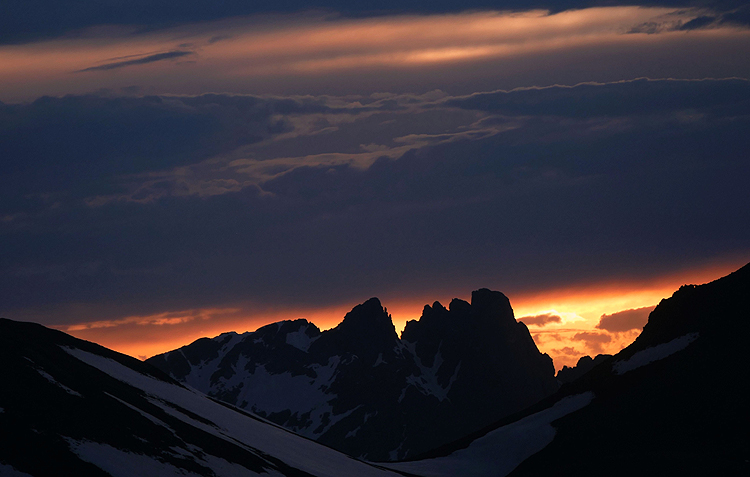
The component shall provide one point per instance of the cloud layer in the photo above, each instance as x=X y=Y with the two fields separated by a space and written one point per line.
x=180 y=202
x=541 y=320
x=324 y=54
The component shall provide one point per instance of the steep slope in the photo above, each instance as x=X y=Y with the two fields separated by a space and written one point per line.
x=672 y=403
x=70 y=407
x=362 y=390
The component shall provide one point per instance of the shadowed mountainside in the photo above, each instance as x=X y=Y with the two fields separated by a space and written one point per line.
x=672 y=403
x=362 y=390
x=73 y=408
x=583 y=366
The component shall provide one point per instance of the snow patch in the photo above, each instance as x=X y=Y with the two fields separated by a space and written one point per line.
x=502 y=450
x=10 y=471
x=57 y=383
x=654 y=353
x=231 y=342
x=299 y=339
x=142 y=413
x=403 y=394
x=322 y=419
x=278 y=392
x=199 y=376
x=119 y=463
x=223 y=467
x=395 y=454
x=221 y=337
x=427 y=382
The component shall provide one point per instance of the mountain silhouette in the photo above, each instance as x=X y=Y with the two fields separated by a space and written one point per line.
x=583 y=366
x=674 y=402
x=671 y=403
x=73 y=408
x=361 y=389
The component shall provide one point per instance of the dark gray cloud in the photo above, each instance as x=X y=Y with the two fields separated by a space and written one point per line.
x=738 y=16
x=548 y=198
x=698 y=23
x=168 y=55
x=26 y=20
x=82 y=146
x=541 y=320
x=626 y=320
x=593 y=341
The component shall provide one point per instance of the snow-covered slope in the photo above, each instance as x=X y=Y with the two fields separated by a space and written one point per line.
x=70 y=407
x=501 y=450
x=362 y=390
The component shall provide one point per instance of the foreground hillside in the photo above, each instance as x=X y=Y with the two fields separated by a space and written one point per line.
x=72 y=408
x=363 y=390
x=672 y=403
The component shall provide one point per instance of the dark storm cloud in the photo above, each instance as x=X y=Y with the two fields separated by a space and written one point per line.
x=541 y=320
x=739 y=16
x=27 y=20
x=76 y=145
x=552 y=198
x=625 y=320
x=169 y=55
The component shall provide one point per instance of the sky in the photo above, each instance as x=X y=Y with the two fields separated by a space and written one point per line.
x=171 y=173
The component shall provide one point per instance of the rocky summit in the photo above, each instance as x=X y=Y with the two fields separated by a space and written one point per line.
x=361 y=389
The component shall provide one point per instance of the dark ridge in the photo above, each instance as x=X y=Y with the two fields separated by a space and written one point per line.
x=681 y=415
x=453 y=371
x=584 y=365
x=366 y=331
x=28 y=333
x=40 y=414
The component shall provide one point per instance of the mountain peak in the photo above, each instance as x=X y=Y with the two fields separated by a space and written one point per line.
x=366 y=318
x=366 y=331
x=492 y=305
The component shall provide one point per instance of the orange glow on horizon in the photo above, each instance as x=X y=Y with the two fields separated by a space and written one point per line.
x=579 y=307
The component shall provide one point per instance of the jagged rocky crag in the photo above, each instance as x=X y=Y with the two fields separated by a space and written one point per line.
x=362 y=390
x=672 y=403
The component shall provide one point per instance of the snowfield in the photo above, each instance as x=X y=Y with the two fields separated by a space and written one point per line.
x=502 y=450
x=495 y=454
x=654 y=353
x=226 y=423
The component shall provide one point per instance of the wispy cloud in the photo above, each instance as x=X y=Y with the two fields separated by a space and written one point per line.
x=276 y=53
x=139 y=61
x=159 y=319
